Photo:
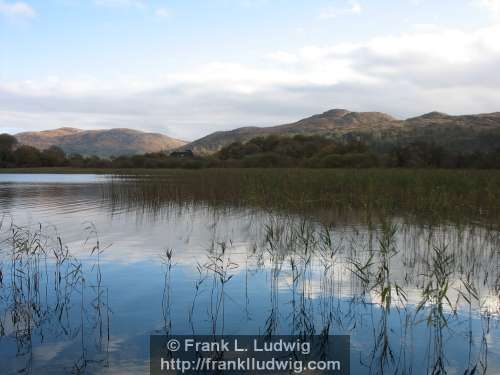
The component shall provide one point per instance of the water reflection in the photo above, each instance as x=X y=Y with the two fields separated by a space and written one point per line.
x=50 y=305
x=415 y=298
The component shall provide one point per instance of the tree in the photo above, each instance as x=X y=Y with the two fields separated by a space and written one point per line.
x=76 y=160
x=7 y=146
x=53 y=157
x=7 y=142
x=27 y=156
x=232 y=151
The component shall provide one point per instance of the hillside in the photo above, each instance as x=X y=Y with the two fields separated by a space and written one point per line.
x=102 y=143
x=466 y=133
x=336 y=122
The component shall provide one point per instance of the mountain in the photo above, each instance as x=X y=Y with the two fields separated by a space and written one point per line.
x=466 y=133
x=336 y=122
x=102 y=143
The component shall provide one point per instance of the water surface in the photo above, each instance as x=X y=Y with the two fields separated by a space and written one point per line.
x=415 y=298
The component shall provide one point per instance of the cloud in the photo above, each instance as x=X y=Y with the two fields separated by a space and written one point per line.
x=143 y=5
x=429 y=68
x=353 y=7
x=17 y=10
x=283 y=57
x=121 y=3
x=491 y=5
x=162 y=12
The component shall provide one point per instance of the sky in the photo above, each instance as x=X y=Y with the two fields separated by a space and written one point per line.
x=187 y=68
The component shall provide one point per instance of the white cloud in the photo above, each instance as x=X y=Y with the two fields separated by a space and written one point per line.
x=121 y=3
x=353 y=7
x=283 y=57
x=16 y=10
x=491 y=5
x=142 y=5
x=430 y=68
x=162 y=12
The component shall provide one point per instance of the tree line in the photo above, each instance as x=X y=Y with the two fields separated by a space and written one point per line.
x=262 y=152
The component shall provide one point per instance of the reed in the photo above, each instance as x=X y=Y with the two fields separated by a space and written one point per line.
x=45 y=287
x=425 y=195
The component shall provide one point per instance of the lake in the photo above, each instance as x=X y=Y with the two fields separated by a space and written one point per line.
x=92 y=265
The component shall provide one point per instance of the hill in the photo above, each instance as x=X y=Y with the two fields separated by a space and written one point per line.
x=466 y=133
x=102 y=143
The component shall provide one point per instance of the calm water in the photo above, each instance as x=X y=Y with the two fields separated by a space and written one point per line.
x=416 y=299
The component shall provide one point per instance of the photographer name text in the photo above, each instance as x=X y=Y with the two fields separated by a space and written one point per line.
x=223 y=345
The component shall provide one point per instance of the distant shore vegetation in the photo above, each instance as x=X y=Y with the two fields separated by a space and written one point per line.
x=262 y=152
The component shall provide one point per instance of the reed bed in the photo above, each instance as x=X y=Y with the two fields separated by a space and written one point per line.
x=45 y=290
x=392 y=282
x=430 y=195
x=386 y=278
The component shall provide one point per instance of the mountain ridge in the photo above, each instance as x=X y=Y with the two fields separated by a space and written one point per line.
x=102 y=142
x=467 y=133
x=457 y=132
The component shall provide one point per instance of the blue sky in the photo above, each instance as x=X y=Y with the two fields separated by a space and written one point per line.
x=187 y=68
